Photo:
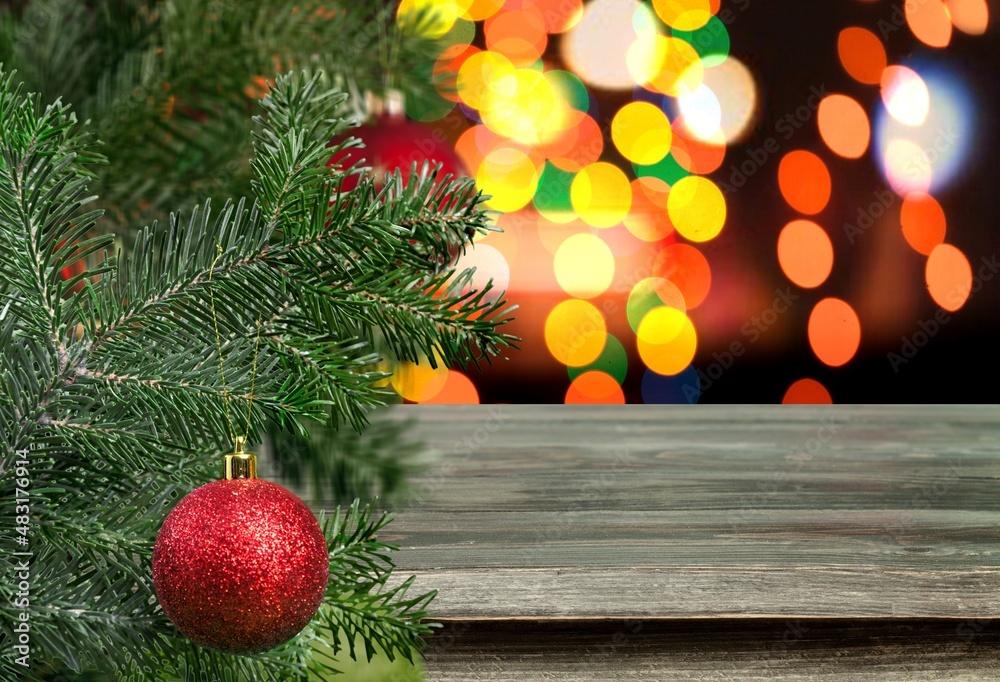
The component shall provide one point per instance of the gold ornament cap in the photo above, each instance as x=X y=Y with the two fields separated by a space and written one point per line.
x=240 y=464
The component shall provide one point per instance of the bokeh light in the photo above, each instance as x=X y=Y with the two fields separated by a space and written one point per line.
x=594 y=388
x=682 y=389
x=804 y=181
x=697 y=208
x=724 y=106
x=907 y=166
x=429 y=18
x=458 y=389
x=647 y=218
x=584 y=266
x=969 y=16
x=642 y=133
x=489 y=264
x=929 y=21
x=807 y=392
x=601 y=194
x=805 y=253
x=560 y=15
x=834 y=331
x=684 y=15
x=667 y=65
x=613 y=360
x=688 y=269
x=666 y=340
x=575 y=333
x=625 y=228
x=478 y=10
x=926 y=148
x=509 y=176
x=650 y=293
x=905 y=95
x=861 y=54
x=844 y=126
x=711 y=41
x=949 y=277
x=518 y=34
x=923 y=221
x=418 y=383
x=595 y=49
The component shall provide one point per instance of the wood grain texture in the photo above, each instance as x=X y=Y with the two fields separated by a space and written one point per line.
x=658 y=651
x=573 y=516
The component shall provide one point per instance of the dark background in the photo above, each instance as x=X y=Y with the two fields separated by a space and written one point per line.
x=791 y=47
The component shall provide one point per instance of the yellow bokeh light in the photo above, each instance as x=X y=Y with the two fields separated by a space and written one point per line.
x=418 y=382
x=509 y=176
x=575 y=333
x=668 y=65
x=684 y=15
x=584 y=266
x=696 y=208
x=601 y=195
x=430 y=18
x=523 y=106
x=478 y=10
x=666 y=340
x=480 y=75
x=642 y=133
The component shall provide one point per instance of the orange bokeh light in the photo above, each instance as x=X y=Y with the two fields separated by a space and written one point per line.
x=969 y=16
x=804 y=181
x=578 y=145
x=924 y=222
x=647 y=219
x=458 y=389
x=517 y=34
x=694 y=155
x=930 y=22
x=834 y=331
x=949 y=277
x=862 y=54
x=595 y=388
x=844 y=126
x=807 y=392
x=688 y=269
x=805 y=253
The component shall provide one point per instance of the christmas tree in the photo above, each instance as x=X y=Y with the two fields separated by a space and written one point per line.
x=168 y=86
x=123 y=384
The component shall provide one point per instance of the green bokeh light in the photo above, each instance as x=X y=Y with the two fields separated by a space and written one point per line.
x=613 y=360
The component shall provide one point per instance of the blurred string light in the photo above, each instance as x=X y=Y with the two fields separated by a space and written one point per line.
x=602 y=186
x=920 y=143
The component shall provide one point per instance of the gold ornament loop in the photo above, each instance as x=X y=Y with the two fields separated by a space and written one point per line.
x=239 y=464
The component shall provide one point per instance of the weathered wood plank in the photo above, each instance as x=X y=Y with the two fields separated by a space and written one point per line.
x=730 y=542
x=799 y=649
x=535 y=511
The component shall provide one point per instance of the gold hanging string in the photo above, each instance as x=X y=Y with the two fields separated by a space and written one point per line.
x=237 y=442
x=253 y=374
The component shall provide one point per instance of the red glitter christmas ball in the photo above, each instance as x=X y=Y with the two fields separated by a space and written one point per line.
x=240 y=565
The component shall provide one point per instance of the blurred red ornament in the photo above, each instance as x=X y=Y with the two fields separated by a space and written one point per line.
x=240 y=565
x=71 y=271
x=392 y=142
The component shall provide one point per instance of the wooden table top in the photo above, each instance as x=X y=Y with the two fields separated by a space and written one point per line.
x=560 y=516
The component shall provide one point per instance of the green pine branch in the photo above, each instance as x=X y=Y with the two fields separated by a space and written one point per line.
x=112 y=384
